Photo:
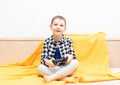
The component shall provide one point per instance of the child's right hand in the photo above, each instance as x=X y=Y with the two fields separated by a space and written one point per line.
x=50 y=63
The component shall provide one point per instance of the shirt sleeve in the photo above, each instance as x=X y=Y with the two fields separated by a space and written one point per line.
x=71 y=51
x=44 y=55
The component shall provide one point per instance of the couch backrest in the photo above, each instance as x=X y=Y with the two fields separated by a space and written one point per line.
x=17 y=50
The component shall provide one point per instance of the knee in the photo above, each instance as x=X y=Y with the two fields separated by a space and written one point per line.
x=75 y=62
x=40 y=67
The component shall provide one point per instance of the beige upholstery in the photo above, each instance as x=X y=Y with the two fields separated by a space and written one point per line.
x=114 y=53
x=17 y=50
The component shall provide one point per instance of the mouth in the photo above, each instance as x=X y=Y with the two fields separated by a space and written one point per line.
x=57 y=30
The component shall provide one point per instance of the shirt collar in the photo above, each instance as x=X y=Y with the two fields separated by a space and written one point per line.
x=62 y=39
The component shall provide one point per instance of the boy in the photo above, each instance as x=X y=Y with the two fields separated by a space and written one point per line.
x=58 y=58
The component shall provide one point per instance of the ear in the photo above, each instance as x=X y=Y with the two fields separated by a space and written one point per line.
x=50 y=27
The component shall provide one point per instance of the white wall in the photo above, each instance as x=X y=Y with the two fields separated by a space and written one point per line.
x=31 y=18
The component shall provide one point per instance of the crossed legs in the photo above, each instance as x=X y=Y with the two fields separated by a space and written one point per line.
x=57 y=72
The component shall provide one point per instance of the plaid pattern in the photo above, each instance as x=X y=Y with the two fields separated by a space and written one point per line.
x=65 y=47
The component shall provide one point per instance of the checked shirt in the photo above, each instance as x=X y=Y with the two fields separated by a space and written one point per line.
x=49 y=48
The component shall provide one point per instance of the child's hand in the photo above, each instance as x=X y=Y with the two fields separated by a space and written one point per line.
x=70 y=57
x=50 y=63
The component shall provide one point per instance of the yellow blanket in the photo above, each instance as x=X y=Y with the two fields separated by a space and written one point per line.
x=91 y=51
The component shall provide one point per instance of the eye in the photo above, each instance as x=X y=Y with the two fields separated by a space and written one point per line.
x=61 y=25
x=55 y=24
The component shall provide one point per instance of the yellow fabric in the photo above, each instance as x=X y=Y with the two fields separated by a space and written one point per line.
x=91 y=51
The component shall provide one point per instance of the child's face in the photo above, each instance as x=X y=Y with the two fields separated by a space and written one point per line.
x=58 y=26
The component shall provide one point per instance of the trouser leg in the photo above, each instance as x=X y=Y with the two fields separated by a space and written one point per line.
x=44 y=70
x=59 y=71
x=67 y=69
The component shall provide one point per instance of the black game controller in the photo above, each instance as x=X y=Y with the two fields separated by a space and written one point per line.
x=62 y=60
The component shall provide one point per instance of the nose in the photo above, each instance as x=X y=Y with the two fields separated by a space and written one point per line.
x=58 y=27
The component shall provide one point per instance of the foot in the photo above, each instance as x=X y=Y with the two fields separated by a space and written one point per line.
x=75 y=76
x=48 y=79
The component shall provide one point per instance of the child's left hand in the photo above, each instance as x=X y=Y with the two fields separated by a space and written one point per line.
x=70 y=57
